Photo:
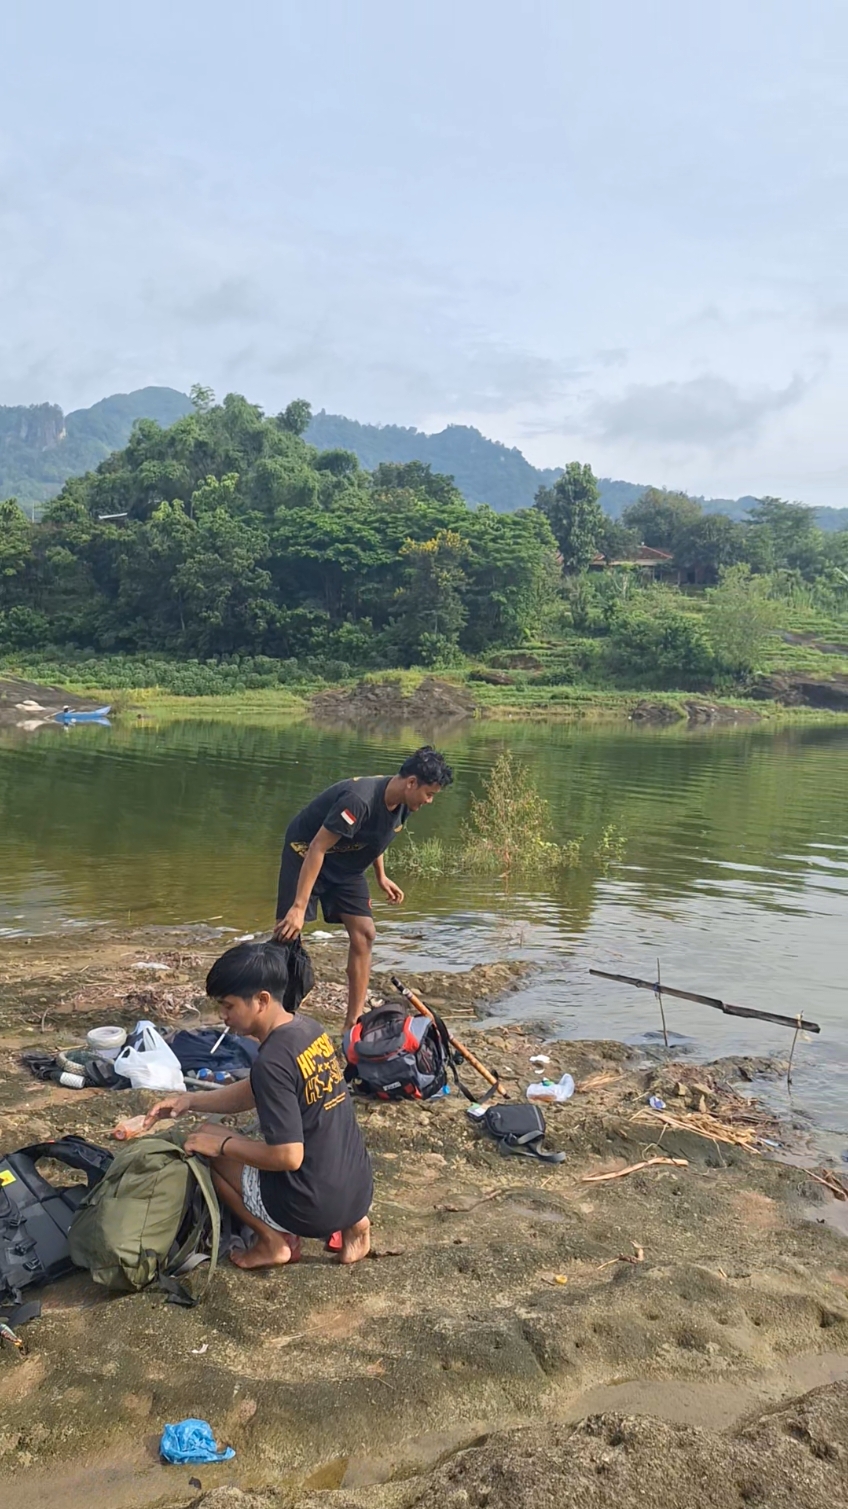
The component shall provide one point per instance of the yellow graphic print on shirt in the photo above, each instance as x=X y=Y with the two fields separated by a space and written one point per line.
x=321 y=1073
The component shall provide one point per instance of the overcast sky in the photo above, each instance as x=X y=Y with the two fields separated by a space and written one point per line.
x=612 y=231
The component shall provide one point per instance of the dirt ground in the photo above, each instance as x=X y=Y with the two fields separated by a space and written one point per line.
x=527 y=1334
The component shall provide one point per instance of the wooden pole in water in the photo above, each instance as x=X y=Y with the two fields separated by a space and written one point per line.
x=726 y=1006
x=660 y=999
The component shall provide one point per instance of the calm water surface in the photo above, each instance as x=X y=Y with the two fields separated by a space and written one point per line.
x=735 y=871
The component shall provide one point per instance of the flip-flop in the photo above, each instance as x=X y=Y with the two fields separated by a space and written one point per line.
x=334 y=1242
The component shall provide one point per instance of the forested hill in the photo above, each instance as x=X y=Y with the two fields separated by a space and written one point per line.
x=40 y=447
x=485 y=471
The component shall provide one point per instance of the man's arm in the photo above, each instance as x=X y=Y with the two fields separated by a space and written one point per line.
x=289 y=926
x=274 y=1157
x=225 y=1101
x=393 y=892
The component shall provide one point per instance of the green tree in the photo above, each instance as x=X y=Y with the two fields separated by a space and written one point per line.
x=16 y=542
x=296 y=417
x=652 y=644
x=513 y=577
x=202 y=398
x=708 y=544
x=660 y=518
x=740 y=618
x=572 y=509
x=430 y=611
x=787 y=536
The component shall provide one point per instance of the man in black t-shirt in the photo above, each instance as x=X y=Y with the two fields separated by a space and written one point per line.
x=311 y=1176
x=331 y=843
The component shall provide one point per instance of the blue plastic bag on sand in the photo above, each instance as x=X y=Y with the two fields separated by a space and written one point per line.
x=192 y=1441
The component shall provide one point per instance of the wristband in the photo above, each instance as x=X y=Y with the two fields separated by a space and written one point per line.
x=229 y=1137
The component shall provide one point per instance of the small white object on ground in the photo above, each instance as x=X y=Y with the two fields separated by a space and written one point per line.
x=146 y=964
x=107 y=1041
x=198 y=1351
x=319 y=937
x=245 y=938
x=539 y=1060
x=547 y=1090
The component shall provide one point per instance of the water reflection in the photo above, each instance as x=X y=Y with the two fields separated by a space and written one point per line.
x=735 y=870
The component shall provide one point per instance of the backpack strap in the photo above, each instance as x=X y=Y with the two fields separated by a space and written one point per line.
x=527 y=1146
x=181 y=1261
x=187 y=1257
x=447 y=1046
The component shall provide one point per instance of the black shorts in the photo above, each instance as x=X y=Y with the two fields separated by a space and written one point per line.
x=349 y=897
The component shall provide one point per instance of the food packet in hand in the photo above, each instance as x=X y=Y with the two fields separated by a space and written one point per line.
x=132 y=1127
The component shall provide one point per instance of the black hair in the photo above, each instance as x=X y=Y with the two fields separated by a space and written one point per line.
x=246 y=969
x=428 y=766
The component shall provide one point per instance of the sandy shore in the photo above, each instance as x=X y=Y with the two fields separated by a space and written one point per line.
x=683 y=1313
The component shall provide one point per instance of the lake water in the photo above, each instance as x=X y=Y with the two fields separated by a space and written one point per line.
x=735 y=867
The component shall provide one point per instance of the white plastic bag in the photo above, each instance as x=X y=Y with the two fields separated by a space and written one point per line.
x=150 y=1064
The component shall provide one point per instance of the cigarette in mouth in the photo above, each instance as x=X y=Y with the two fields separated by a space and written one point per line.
x=219 y=1041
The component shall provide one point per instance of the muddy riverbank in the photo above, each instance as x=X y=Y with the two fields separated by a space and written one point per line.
x=672 y=1306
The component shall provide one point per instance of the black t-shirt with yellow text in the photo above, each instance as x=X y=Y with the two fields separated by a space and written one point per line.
x=301 y=1096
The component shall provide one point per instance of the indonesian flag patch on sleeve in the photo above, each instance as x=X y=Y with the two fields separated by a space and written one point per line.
x=348 y=817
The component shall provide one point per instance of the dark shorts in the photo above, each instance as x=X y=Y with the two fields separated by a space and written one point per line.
x=349 y=897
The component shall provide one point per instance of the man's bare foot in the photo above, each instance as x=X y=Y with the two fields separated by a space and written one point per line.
x=271 y=1251
x=356 y=1242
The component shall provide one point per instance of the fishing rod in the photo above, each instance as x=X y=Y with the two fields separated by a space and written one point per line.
x=466 y=1053
x=797 y=1022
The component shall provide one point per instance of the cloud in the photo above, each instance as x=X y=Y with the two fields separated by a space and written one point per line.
x=701 y=412
x=231 y=299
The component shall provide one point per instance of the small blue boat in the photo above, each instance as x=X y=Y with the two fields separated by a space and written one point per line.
x=68 y=715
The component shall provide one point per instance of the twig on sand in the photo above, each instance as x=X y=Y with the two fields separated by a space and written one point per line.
x=703 y=1124
x=638 y=1256
x=597 y=1081
x=634 y=1169
x=830 y=1181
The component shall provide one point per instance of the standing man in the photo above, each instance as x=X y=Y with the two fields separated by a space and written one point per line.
x=331 y=843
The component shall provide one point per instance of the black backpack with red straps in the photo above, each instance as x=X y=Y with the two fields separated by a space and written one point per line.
x=397 y=1057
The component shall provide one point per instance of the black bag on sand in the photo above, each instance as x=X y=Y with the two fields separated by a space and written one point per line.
x=35 y=1215
x=517 y=1130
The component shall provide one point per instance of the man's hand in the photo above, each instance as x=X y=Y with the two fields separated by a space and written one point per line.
x=392 y=892
x=291 y=925
x=207 y=1139
x=172 y=1105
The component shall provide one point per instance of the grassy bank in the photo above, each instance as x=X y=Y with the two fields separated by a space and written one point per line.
x=561 y=677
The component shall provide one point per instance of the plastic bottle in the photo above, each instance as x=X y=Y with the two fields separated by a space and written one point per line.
x=550 y=1090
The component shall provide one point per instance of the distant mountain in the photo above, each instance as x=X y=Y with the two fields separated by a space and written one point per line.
x=488 y=472
x=484 y=470
x=40 y=447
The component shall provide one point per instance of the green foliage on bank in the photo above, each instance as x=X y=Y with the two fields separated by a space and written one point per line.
x=226 y=555
x=226 y=535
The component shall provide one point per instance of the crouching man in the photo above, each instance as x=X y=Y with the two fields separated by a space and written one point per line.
x=311 y=1177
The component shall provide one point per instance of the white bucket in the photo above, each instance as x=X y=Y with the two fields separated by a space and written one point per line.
x=107 y=1042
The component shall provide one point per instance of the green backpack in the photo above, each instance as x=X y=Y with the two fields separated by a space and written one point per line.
x=147 y=1219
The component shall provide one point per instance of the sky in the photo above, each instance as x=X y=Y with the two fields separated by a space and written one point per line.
x=614 y=232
